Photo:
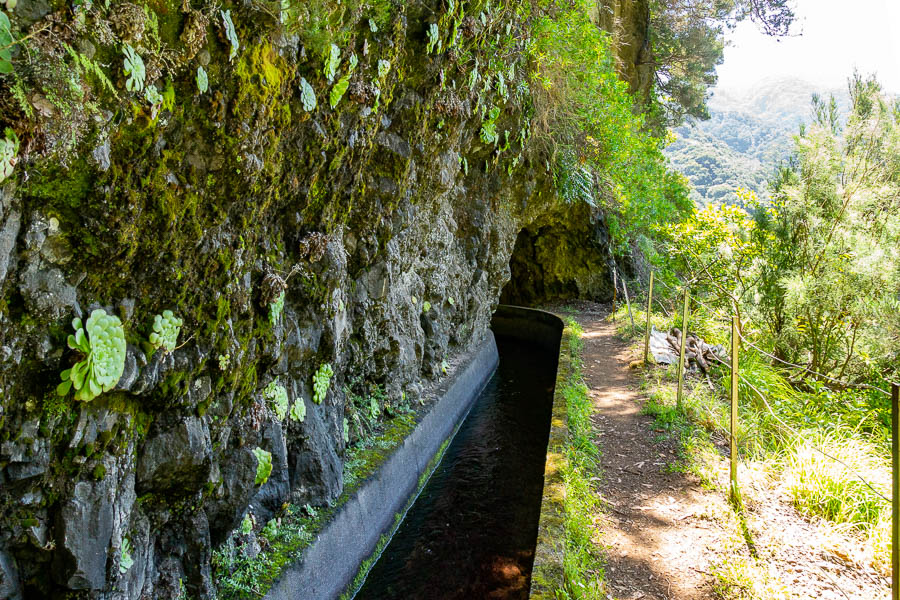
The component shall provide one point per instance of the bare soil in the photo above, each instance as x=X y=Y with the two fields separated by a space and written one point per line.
x=665 y=535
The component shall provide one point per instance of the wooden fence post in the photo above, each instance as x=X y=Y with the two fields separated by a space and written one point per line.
x=735 y=342
x=615 y=292
x=647 y=332
x=895 y=492
x=684 y=334
x=628 y=303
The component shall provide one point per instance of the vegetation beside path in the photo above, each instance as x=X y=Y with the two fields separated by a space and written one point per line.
x=583 y=563
x=813 y=472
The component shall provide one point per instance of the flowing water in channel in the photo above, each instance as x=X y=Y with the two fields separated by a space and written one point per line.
x=472 y=531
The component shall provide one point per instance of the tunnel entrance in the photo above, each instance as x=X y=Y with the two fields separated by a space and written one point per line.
x=560 y=256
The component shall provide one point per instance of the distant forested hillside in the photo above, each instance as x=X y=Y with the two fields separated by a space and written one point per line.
x=748 y=133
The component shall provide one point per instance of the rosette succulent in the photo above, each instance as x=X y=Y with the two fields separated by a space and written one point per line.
x=263 y=465
x=102 y=340
x=298 y=410
x=278 y=399
x=165 y=331
x=321 y=380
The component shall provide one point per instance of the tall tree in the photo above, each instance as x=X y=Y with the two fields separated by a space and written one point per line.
x=686 y=43
x=830 y=281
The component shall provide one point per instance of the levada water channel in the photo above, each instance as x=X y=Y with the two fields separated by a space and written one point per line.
x=471 y=532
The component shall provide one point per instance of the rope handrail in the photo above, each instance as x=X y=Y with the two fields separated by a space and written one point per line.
x=814 y=447
x=846 y=384
x=805 y=369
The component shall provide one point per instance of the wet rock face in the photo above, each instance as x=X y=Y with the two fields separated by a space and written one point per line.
x=388 y=229
x=176 y=456
x=85 y=527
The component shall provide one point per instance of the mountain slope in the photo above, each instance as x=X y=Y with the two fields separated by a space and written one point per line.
x=749 y=131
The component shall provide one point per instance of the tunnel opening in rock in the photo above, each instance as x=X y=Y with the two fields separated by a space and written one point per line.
x=564 y=254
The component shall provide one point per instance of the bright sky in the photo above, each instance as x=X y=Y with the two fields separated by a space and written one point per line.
x=836 y=36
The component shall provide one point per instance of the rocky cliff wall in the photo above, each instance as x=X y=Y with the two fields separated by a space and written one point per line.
x=385 y=212
x=628 y=23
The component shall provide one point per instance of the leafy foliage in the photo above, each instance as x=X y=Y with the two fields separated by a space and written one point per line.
x=9 y=150
x=275 y=308
x=6 y=40
x=338 y=91
x=230 y=33
x=585 y=119
x=134 y=68
x=263 y=465
x=126 y=561
x=152 y=95
x=102 y=341
x=307 y=95
x=277 y=396
x=832 y=238
x=202 y=80
x=384 y=68
x=87 y=66
x=298 y=410
x=321 y=381
x=434 y=39
x=166 y=328
x=332 y=61
x=489 y=126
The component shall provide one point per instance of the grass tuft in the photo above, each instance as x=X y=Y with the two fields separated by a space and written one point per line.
x=583 y=562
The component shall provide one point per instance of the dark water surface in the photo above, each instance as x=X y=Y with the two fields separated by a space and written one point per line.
x=472 y=531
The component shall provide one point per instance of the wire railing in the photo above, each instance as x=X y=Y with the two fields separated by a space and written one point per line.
x=739 y=338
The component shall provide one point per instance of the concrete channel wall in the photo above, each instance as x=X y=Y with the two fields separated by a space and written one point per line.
x=331 y=562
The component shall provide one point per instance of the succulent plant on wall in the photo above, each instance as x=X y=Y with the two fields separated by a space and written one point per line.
x=165 y=331
x=102 y=341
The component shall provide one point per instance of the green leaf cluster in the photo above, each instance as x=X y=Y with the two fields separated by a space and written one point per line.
x=321 y=381
x=277 y=396
x=332 y=62
x=202 y=80
x=166 y=328
x=102 y=341
x=434 y=39
x=9 y=150
x=489 y=127
x=586 y=119
x=152 y=95
x=263 y=465
x=307 y=95
x=134 y=68
x=126 y=561
x=6 y=40
x=230 y=33
x=298 y=410
x=340 y=88
x=384 y=67
x=275 y=308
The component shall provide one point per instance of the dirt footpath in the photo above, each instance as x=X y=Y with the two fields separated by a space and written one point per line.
x=667 y=537
x=658 y=543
